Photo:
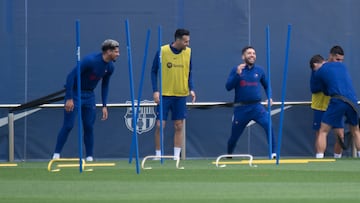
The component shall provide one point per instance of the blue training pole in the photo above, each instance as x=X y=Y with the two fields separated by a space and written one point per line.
x=132 y=92
x=161 y=100
x=79 y=92
x=283 y=92
x=269 y=89
x=134 y=140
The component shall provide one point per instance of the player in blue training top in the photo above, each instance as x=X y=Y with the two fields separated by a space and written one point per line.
x=246 y=79
x=320 y=102
x=93 y=67
x=334 y=80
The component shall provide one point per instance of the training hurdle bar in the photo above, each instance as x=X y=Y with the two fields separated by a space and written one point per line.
x=8 y=165
x=234 y=155
x=282 y=161
x=160 y=157
x=74 y=165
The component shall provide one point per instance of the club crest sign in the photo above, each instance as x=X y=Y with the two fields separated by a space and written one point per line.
x=146 y=117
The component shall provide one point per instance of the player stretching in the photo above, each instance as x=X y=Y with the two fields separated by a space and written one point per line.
x=246 y=79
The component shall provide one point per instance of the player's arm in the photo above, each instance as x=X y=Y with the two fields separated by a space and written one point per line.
x=69 y=88
x=234 y=78
x=105 y=88
x=265 y=83
x=104 y=93
x=315 y=83
x=191 y=83
x=69 y=85
x=154 y=78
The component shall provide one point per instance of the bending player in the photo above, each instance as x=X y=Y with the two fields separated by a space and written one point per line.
x=93 y=67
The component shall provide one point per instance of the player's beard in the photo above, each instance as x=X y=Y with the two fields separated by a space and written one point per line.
x=249 y=62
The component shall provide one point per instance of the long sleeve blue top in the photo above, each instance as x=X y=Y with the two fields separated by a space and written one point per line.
x=248 y=84
x=155 y=70
x=93 y=68
x=315 y=84
x=333 y=79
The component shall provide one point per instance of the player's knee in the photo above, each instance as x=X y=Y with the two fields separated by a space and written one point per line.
x=68 y=127
x=178 y=125
x=158 y=124
x=88 y=126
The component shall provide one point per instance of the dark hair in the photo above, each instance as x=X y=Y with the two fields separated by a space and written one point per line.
x=316 y=59
x=246 y=48
x=337 y=50
x=179 y=33
x=109 y=44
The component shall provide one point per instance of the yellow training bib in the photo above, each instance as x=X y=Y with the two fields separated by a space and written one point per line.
x=175 y=72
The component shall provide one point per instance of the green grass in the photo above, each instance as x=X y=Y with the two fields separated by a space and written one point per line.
x=199 y=182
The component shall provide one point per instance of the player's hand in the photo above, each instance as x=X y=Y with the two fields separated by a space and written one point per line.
x=69 y=105
x=240 y=68
x=104 y=113
x=193 y=95
x=156 y=97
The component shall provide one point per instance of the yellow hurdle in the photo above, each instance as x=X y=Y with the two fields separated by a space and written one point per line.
x=8 y=165
x=51 y=162
x=59 y=164
x=86 y=164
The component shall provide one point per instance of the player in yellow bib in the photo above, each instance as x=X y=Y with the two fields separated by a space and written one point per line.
x=177 y=84
x=175 y=71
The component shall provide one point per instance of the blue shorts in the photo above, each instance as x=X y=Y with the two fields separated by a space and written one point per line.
x=336 y=111
x=177 y=106
x=317 y=119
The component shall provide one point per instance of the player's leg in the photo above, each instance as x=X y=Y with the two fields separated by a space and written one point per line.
x=316 y=126
x=261 y=117
x=68 y=124
x=353 y=120
x=354 y=129
x=321 y=140
x=178 y=112
x=239 y=122
x=157 y=137
x=332 y=118
x=178 y=137
x=165 y=109
x=88 y=118
x=339 y=134
x=339 y=137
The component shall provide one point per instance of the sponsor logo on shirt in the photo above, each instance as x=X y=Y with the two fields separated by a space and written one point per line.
x=244 y=83
x=170 y=65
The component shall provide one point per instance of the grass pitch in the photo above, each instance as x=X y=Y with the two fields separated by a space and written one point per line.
x=200 y=181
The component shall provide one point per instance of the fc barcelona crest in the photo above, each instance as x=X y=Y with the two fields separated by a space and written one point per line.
x=146 y=117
